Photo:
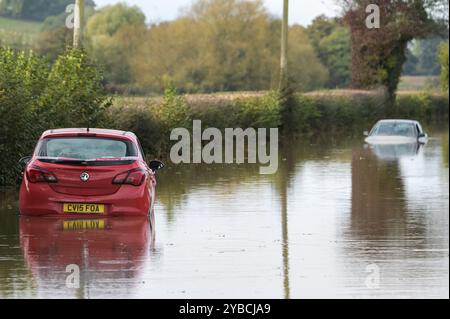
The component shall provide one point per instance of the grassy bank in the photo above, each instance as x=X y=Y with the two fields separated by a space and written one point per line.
x=313 y=115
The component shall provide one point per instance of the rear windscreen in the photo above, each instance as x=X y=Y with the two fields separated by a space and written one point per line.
x=395 y=129
x=86 y=148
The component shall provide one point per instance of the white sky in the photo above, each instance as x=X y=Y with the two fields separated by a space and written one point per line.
x=301 y=11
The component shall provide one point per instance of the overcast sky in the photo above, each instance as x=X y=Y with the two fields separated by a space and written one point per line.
x=301 y=11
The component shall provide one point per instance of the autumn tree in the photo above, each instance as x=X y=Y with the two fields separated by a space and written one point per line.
x=378 y=54
x=111 y=39
x=331 y=41
x=35 y=9
x=223 y=45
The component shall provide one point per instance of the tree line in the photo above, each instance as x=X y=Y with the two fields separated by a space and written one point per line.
x=234 y=45
x=37 y=10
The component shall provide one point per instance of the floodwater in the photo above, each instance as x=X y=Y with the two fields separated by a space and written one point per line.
x=338 y=220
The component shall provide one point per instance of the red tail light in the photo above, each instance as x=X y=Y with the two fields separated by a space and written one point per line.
x=35 y=174
x=134 y=177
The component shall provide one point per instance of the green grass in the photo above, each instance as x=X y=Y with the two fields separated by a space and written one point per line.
x=18 y=33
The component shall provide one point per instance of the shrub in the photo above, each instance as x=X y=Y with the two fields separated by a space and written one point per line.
x=256 y=112
x=74 y=95
x=142 y=122
x=423 y=106
x=22 y=78
x=173 y=111
x=310 y=114
x=35 y=96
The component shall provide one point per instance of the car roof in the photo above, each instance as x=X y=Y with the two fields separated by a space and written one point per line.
x=86 y=132
x=399 y=121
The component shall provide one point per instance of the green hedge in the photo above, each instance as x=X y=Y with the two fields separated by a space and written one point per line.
x=36 y=96
x=309 y=115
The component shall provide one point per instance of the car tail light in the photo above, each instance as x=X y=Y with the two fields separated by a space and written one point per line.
x=35 y=174
x=134 y=177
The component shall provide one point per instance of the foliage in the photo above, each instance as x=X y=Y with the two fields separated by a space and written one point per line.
x=329 y=113
x=173 y=112
x=112 y=35
x=142 y=121
x=259 y=112
x=318 y=114
x=222 y=45
x=305 y=70
x=427 y=53
x=332 y=43
x=36 y=96
x=22 y=77
x=443 y=59
x=35 y=9
x=55 y=38
x=53 y=42
x=379 y=54
x=74 y=94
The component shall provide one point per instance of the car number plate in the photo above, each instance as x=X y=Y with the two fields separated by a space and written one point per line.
x=84 y=209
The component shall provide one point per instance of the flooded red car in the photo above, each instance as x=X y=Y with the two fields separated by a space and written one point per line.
x=88 y=172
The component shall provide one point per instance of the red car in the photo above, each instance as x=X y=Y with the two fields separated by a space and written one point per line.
x=88 y=172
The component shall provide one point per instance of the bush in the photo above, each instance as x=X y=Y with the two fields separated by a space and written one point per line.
x=244 y=112
x=423 y=106
x=309 y=115
x=256 y=112
x=36 y=96
x=143 y=122
x=349 y=113
x=22 y=78
x=74 y=95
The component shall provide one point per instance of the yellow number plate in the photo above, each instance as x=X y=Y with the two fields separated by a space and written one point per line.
x=83 y=224
x=84 y=209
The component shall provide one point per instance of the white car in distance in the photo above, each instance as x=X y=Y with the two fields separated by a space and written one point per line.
x=396 y=132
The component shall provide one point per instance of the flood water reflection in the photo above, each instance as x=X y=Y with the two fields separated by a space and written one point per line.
x=337 y=220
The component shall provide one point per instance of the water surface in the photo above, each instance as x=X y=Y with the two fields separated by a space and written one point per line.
x=338 y=220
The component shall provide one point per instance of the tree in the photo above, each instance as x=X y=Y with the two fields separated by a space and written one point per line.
x=112 y=35
x=306 y=73
x=378 y=54
x=36 y=96
x=35 y=9
x=53 y=42
x=55 y=38
x=427 y=52
x=222 y=45
x=332 y=44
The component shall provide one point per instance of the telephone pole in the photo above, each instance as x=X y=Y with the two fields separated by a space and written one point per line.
x=284 y=48
x=78 y=24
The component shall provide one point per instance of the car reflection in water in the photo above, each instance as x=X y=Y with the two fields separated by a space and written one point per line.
x=394 y=152
x=108 y=252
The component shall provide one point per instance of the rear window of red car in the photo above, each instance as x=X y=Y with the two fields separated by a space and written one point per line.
x=86 y=148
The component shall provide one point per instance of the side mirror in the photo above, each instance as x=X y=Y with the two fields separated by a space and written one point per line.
x=422 y=135
x=23 y=162
x=366 y=133
x=156 y=165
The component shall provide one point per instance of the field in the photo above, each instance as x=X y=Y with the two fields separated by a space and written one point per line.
x=419 y=83
x=18 y=33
